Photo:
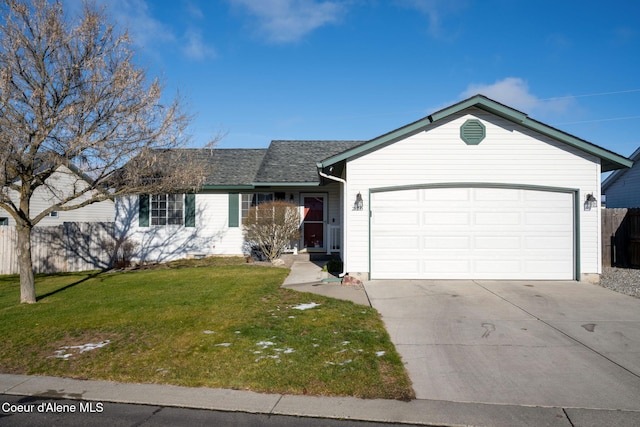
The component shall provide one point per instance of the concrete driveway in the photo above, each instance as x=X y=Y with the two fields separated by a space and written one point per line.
x=564 y=344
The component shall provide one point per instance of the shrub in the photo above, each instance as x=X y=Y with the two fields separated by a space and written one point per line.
x=272 y=226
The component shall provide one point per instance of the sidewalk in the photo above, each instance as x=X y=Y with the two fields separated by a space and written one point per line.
x=422 y=412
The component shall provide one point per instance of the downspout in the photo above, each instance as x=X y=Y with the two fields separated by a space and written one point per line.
x=344 y=216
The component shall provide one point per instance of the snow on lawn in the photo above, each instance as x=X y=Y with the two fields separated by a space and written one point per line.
x=305 y=306
x=62 y=353
x=265 y=345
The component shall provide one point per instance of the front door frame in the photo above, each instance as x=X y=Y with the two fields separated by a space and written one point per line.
x=325 y=199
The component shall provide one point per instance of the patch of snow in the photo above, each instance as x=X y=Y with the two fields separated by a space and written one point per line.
x=380 y=353
x=305 y=306
x=292 y=317
x=88 y=347
x=265 y=344
x=289 y=350
x=222 y=344
x=345 y=342
x=61 y=354
x=208 y=332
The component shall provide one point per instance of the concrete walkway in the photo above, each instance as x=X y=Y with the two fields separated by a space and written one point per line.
x=307 y=276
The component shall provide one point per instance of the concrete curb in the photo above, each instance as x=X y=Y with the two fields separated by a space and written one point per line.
x=421 y=412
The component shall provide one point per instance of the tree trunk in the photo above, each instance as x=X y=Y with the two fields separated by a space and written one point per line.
x=27 y=282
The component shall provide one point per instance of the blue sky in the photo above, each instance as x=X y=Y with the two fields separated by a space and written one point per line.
x=258 y=70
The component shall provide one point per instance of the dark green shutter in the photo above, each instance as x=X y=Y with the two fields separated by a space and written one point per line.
x=143 y=210
x=234 y=210
x=190 y=210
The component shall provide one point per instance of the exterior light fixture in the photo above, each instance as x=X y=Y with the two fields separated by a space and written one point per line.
x=359 y=203
x=590 y=202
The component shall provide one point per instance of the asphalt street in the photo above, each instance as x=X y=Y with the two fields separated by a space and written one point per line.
x=57 y=412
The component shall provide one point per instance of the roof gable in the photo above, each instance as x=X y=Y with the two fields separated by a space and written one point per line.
x=610 y=160
x=616 y=175
x=294 y=162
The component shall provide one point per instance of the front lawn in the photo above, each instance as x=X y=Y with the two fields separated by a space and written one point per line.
x=227 y=326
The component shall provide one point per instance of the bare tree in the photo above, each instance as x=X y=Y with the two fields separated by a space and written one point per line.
x=272 y=226
x=73 y=101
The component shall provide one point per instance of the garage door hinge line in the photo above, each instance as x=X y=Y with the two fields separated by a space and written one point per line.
x=558 y=330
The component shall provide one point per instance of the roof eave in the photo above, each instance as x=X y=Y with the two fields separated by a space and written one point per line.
x=226 y=187
x=285 y=184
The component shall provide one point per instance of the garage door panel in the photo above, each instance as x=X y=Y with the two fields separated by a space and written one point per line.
x=558 y=243
x=446 y=218
x=447 y=267
x=497 y=218
x=445 y=194
x=406 y=218
x=473 y=233
x=397 y=242
x=497 y=242
x=552 y=219
x=503 y=268
x=404 y=269
x=444 y=243
x=496 y=195
x=396 y=196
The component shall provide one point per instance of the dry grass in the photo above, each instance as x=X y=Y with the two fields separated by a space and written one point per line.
x=200 y=323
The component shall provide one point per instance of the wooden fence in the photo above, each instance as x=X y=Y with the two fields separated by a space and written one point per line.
x=621 y=237
x=73 y=246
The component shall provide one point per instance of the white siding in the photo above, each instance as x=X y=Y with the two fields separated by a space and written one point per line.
x=625 y=191
x=509 y=154
x=212 y=234
x=60 y=185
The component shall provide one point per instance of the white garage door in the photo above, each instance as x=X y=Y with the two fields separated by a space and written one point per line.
x=472 y=233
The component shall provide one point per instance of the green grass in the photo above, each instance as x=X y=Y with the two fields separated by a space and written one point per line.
x=221 y=324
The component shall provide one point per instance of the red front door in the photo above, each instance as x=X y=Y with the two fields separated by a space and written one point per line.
x=313 y=221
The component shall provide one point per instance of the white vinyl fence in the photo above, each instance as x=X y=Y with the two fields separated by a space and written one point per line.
x=73 y=246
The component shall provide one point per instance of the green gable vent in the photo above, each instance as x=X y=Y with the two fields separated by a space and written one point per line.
x=472 y=132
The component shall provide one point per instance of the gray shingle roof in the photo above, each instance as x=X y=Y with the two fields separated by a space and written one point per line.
x=295 y=161
x=232 y=166
x=283 y=162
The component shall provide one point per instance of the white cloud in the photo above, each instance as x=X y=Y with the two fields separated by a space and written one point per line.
x=134 y=15
x=195 y=47
x=286 y=21
x=514 y=92
x=152 y=34
x=435 y=10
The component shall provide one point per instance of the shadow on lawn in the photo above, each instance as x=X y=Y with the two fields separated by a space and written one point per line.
x=70 y=285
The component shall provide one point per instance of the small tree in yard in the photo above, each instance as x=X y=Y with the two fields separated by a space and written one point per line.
x=272 y=226
x=72 y=99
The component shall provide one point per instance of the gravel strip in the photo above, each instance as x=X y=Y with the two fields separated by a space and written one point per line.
x=623 y=280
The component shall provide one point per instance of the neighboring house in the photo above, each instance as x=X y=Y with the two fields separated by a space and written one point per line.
x=622 y=187
x=477 y=190
x=59 y=184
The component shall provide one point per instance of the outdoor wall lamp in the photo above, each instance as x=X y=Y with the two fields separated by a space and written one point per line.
x=590 y=202
x=359 y=203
